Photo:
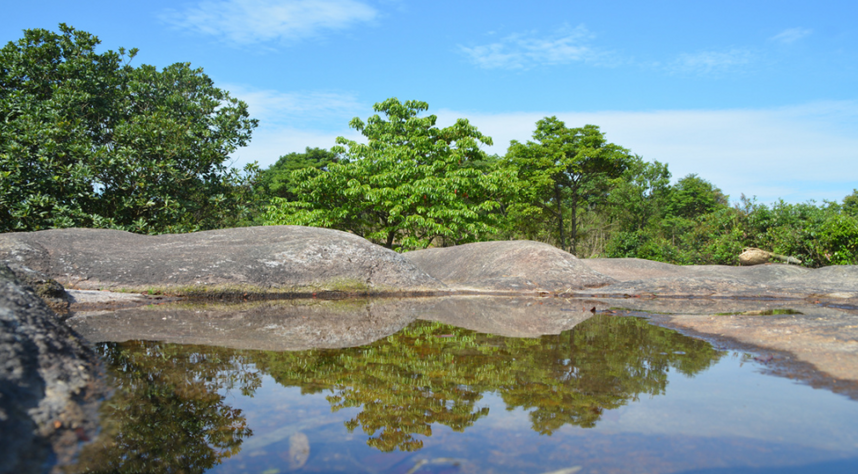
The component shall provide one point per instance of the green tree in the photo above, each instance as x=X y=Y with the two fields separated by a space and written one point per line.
x=693 y=196
x=410 y=184
x=277 y=181
x=562 y=166
x=87 y=140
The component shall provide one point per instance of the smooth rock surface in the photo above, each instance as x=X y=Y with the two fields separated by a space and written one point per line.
x=646 y=278
x=515 y=266
x=48 y=385
x=275 y=259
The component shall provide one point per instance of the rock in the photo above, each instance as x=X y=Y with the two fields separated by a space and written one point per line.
x=49 y=390
x=755 y=256
x=48 y=289
x=286 y=260
x=513 y=266
x=629 y=269
x=644 y=278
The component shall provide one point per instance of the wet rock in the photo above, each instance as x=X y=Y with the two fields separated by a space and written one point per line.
x=48 y=385
x=275 y=259
x=517 y=266
x=261 y=325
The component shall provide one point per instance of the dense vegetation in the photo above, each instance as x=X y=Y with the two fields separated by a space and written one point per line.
x=87 y=140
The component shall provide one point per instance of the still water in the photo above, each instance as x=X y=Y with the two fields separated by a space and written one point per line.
x=614 y=394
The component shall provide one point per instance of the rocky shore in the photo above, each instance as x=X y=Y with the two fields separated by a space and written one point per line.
x=53 y=304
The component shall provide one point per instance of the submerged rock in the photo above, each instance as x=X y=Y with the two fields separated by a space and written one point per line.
x=275 y=259
x=517 y=265
x=48 y=385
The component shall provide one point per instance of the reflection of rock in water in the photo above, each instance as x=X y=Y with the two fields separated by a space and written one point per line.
x=299 y=451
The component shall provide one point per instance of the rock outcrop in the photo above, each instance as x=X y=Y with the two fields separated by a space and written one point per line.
x=48 y=385
x=287 y=260
x=646 y=278
x=514 y=266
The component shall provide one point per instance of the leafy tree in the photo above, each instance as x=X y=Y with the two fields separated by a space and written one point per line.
x=562 y=166
x=88 y=140
x=640 y=198
x=276 y=181
x=850 y=203
x=411 y=184
x=693 y=196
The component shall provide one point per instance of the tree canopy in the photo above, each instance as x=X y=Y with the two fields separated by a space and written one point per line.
x=410 y=185
x=277 y=181
x=562 y=166
x=87 y=140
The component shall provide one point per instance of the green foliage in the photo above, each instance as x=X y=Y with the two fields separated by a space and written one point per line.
x=87 y=140
x=692 y=197
x=563 y=168
x=411 y=185
x=277 y=181
x=166 y=414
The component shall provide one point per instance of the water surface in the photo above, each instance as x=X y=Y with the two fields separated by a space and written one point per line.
x=614 y=394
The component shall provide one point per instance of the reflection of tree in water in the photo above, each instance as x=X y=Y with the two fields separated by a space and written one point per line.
x=601 y=365
x=434 y=373
x=166 y=414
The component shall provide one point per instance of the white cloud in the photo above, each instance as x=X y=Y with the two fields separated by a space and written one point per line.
x=292 y=121
x=256 y=21
x=711 y=62
x=523 y=51
x=795 y=153
x=791 y=35
x=273 y=107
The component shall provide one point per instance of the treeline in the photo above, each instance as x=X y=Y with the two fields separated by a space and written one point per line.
x=413 y=185
x=87 y=140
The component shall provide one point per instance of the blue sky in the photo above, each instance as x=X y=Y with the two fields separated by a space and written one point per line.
x=758 y=97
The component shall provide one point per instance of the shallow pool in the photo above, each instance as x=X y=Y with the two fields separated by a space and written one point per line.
x=614 y=394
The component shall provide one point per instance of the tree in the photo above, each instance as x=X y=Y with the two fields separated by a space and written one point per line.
x=410 y=184
x=277 y=179
x=565 y=165
x=693 y=196
x=640 y=197
x=88 y=140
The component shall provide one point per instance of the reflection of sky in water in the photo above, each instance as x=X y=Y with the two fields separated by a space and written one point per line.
x=411 y=391
x=728 y=415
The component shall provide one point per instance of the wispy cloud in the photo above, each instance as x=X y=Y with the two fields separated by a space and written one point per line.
x=706 y=63
x=291 y=121
x=246 y=22
x=795 y=153
x=523 y=51
x=292 y=108
x=791 y=35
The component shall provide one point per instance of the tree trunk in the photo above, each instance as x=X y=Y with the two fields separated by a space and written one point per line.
x=574 y=239
x=557 y=198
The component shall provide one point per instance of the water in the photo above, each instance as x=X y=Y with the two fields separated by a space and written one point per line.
x=614 y=394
